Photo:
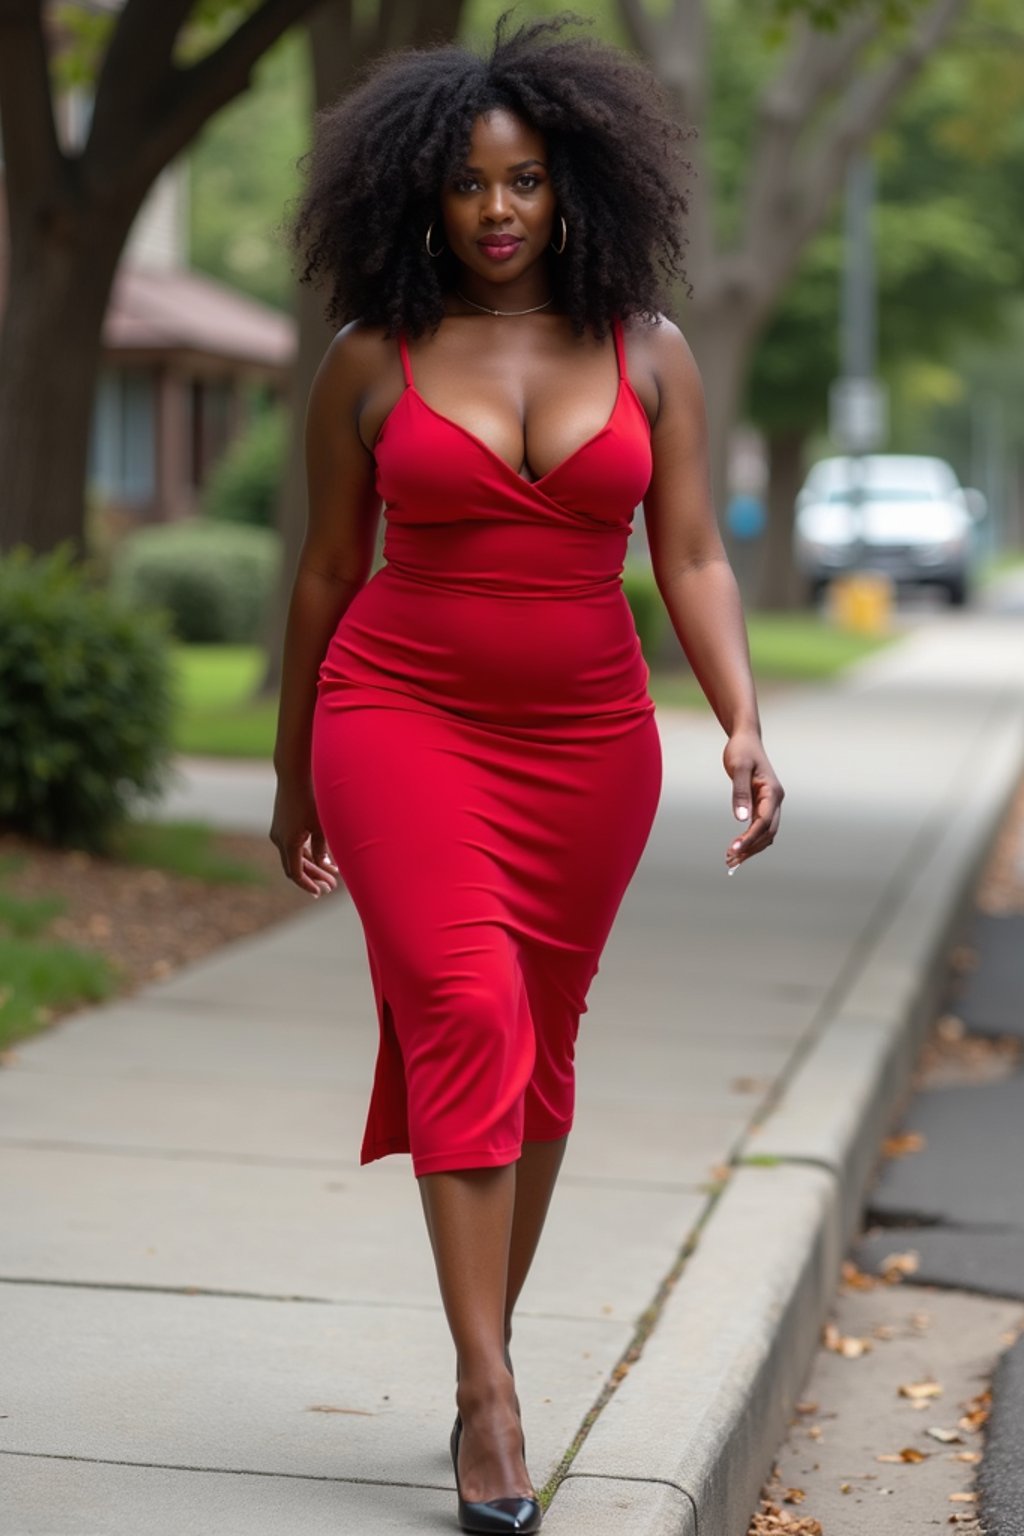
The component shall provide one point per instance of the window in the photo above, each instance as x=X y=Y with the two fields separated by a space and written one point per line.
x=122 y=448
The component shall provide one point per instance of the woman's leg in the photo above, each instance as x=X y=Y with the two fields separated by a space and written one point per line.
x=469 y=1216
x=536 y=1174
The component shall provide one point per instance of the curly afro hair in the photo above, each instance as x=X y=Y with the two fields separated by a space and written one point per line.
x=382 y=153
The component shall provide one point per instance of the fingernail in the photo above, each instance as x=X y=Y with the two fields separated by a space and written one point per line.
x=737 y=844
x=742 y=813
x=732 y=869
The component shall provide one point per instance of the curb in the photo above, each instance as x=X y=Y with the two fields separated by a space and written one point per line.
x=683 y=1445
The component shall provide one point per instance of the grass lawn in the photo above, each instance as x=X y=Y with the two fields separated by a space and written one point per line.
x=181 y=848
x=218 y=719
x=117 y=914
x=38 y=975
x=216 y=716
x=801 y=647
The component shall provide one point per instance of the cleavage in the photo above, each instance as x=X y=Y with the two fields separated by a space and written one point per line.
x=579 y=439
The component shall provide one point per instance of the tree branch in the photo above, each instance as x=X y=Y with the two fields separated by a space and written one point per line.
x=683 y=50
x=133 y=75
x=677 y=53
x=148 y=134
x=818 y=63
x=643 y=31
x=34 y=159
x=862 y=112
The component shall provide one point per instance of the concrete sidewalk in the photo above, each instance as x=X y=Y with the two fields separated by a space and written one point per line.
x=214 y=1322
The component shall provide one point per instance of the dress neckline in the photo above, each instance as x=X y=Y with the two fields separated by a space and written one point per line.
x=495 y=457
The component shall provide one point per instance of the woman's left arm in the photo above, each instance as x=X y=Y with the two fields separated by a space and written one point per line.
x=699 y=589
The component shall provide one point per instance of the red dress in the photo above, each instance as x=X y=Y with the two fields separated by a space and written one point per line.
x=487 y=767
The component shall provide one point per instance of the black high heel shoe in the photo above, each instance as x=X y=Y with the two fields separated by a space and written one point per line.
x=491 y=1516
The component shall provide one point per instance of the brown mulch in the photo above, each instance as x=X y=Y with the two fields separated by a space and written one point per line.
x=146 y=921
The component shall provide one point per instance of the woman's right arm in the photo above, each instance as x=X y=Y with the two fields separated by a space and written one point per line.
x=335 y=561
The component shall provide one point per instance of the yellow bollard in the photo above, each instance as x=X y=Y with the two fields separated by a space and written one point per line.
x=862 y=602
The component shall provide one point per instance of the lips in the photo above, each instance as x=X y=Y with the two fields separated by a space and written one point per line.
x=499 y=242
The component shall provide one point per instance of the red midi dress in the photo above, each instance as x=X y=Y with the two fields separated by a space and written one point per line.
x=487 y=767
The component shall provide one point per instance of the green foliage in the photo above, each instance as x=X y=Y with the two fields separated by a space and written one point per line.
x=244 y=486
x=950 y=207
x=85 y=702
x=39 y=977
x=218 y=715
x=648 y=608
x=24 y=917
x=181 y=848
x=214 y=580
x=243 y=176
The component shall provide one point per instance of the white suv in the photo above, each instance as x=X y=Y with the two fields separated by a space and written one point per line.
x=904 y=514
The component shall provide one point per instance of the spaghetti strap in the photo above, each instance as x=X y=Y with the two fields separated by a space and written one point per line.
x=404 y=350
x=620 y=347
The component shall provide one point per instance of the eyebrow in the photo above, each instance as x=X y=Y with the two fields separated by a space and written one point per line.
x=521 y=166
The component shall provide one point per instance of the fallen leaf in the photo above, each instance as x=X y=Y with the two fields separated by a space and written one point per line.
x=849 y=1347
x=855 y=1278
x=908 y=1453
x=919 y=1391
x=897 y=1265
x=963 y=1498
x=805 y=1407
x=363 y=1413
x=901 y=1145
x=971 y=1456
x=844 y=1487
x=947 y=1436
x=794 y=1496
x=977 y=1410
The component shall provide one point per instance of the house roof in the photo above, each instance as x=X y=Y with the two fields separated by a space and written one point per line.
x=181 y=309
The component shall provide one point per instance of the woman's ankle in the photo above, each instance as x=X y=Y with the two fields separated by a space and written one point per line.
x=483 y=1385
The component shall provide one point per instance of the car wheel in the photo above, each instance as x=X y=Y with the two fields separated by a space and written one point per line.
x=956 y=590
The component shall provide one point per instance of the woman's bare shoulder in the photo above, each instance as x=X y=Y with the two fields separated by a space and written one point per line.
x=659 y=342
x=660 y=355
x=357 y=356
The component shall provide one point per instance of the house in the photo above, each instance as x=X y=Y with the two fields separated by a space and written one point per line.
x=185 y=358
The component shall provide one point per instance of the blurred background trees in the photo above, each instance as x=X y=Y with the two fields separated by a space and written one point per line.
x=136 y=391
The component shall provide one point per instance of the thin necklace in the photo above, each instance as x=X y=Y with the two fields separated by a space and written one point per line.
x=485 y=309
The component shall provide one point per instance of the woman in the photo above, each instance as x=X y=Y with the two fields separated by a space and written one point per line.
x=469 y=731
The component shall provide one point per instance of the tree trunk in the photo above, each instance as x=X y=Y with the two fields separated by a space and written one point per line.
x=58 y=289
x=721 y=339
x=781 y=588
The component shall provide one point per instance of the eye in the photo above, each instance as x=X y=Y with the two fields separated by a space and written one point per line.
x=528 y=176
x=463 y=184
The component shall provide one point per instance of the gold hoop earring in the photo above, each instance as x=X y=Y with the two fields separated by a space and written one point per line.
x=558 y=249
x=430 y=228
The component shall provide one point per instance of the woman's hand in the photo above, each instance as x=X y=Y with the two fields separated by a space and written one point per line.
x=757 y=795
x=297 y=834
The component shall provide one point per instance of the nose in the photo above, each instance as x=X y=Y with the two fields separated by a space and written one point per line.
x=495 y=205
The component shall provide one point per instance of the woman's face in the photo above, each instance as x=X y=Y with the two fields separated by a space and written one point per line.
x=498 y=209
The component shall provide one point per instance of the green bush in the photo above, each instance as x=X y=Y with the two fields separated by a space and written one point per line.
x=85 y=702
x=214 y=580
x=648 y=608
x=244 y=486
